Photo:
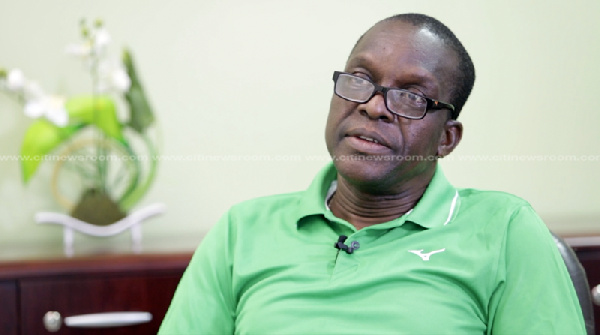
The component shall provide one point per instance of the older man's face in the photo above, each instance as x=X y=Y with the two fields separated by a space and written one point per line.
x=392 y=54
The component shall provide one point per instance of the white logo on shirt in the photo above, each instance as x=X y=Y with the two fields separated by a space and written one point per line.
x=426 y=256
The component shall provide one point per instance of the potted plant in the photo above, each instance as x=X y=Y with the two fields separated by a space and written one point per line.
x=100 y=143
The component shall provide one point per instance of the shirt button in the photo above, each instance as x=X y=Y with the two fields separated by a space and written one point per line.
x=354 y=245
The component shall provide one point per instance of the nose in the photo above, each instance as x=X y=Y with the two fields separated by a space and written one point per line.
x=375 y=108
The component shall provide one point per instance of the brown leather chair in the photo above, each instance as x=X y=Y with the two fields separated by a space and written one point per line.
x=580 y=282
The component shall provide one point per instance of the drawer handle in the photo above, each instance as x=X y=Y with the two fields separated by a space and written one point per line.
x=105 y=320
x=596 y=294
x=52 y=321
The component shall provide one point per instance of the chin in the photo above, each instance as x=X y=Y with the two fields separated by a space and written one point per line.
x=364 y=171
x=381 y=175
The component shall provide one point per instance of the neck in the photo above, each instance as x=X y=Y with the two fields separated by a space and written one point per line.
x=364 y=208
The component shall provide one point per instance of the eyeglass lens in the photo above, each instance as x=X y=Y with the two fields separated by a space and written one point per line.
x=398 y=101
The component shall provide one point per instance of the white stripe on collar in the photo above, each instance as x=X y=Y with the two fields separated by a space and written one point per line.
x=333 y=188
x=452 y=207
x=330 y=192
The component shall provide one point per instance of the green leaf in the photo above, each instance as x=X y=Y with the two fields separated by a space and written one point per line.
x=141 y=113
x=40 y=138
x=97 y=110
x=131 y=197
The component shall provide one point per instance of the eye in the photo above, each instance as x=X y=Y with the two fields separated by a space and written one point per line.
x=410 y=98
x=416 y=99
x=353 y=82
x=357 y=79
x=353 y=88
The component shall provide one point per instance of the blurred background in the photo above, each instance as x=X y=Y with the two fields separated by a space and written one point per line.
x=241 y=92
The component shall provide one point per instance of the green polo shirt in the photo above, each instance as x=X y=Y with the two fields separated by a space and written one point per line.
x=463 y=261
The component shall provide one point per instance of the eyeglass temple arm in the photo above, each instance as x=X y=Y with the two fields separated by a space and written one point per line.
x=434 y=104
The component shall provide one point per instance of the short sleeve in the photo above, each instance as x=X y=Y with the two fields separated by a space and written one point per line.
x=203 y=302
x=537 y=295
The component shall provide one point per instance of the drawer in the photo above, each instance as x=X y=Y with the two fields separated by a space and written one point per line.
x=101 y=293
x=8 y=308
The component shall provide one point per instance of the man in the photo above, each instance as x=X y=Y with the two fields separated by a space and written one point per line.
x=412 y=253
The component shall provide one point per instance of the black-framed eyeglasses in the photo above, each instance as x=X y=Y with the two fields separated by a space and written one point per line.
x=398 y=101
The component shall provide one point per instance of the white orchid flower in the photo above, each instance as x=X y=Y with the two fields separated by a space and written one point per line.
x=101 y=39
x=96 y=43
x=120 y=79
x=49 y=106
x=92 y=49
x=34 y=109
x=15 y=80
x=55 y=110
x=112 y=78
x=37 y=102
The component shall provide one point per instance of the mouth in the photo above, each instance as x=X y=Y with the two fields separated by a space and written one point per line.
x=367 y=138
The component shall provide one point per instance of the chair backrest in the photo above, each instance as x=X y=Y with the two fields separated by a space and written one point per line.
x=580 y=282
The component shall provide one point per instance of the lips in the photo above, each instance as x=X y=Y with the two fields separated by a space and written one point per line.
x=368 y=136
x=368 y=139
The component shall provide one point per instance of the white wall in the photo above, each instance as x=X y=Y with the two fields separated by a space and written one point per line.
x=253 y=78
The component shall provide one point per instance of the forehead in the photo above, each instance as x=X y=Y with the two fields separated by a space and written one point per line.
x=399 y=51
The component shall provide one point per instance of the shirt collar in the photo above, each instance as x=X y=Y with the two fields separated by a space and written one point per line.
x=313 y=199
x=437 y=207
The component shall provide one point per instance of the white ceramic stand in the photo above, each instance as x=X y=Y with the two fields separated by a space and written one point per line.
x=132 y=221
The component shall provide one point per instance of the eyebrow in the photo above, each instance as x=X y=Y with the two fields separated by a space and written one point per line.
x=415 y=75
x=358 y=61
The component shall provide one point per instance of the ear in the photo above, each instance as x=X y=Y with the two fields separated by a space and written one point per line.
x=450 y=137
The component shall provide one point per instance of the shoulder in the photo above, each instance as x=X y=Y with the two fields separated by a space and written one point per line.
x=264 y=203
x=499 y=199
x=499 y=212
x=254 y=217
x=265 y=210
